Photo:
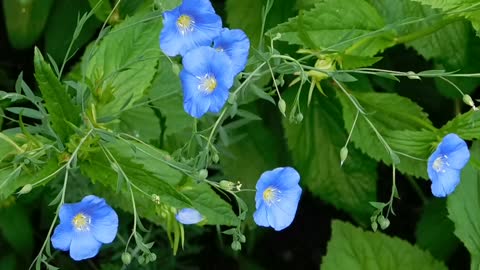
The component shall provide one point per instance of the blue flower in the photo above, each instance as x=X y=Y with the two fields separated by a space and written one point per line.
x=277 y=198
x=189 y=216
x=190 y=25
x=84 y=227
x=236 y=45
x=206 y=78
x=445 y=164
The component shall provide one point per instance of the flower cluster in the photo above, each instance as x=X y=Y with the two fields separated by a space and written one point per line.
x=446 y=163
x=212 y=55
x=84 y=227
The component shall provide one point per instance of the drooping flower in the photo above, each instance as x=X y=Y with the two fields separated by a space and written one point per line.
x=446 y=163
x=190 y=25
x=84 y=227
x=206 y=78
x=189 y=216
x=277 y=197
x=236 y=45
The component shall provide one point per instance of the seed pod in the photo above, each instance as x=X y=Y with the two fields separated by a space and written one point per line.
x=282 y=106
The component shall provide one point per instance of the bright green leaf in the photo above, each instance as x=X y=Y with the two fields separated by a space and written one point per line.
x=353 y=248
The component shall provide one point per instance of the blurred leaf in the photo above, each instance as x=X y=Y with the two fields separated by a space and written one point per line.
x=466 y=125
x=25 y=20
x=8 y=261
x=434 y=231
x=61 y=26
x=140 y=122
x=400 y=121
x=17 y=229
x=353 y=248
x=340 y=25
x=463 y=204
x=122 y=67
x=57 y=101
x=102 y=8
x=315 y=145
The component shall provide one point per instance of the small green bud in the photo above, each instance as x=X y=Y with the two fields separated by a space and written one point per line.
x=215 y=158
x=25 y=189
x=152 y=257
x=384 y=222
x=126 y=258
x=236 y=245
x=413 y=76
x=343 y=155
x=299 y=117
x=469 y=101
x=203 y=174
x=374 y=226
x=156 y=198
x=227 y=185
x=26 y=161
x=282 y=106
x=141 y=259
x=242 y=238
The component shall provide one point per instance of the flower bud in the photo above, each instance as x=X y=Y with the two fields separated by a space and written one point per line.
x=141 y=259
x=236 y=245
x=152 y=257
x=282 y=106
x=412 y=76
x=374 y=226
x=384 y=222
x=227 y=185
x=343 y=155
x=242 y=238
x=156 y=198
x=469 y=101
x=215 y=158
x=126 y=258
x=299 y=117
x=203 y=174
x=25 y=189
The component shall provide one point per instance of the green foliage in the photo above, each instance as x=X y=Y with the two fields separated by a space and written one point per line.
x=462 y=206
x=340 y=25
x=403 y=124
x=16 y=228
x=123 y=65
x=315 y=145
x=57 y=101
x=353 y=248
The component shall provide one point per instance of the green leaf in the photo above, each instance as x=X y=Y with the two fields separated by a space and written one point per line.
x=57 y=101
x=140 y=122
x=61 y=27
x=467 y=8
x=102 y=8
x=465 y=125
x=14 y=220
x=434 y=232
x=122 y=67
x=341 y=25
x=353 y=248
x=315 y=144
x=463 y=204
x=401 y=122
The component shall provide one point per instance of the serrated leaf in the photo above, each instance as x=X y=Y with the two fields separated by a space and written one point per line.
x=57 y=101
x=466 y=125
x=141 y=122
x=463 y=203
x=353 y=248
x=340 y=25
x=315 y=144
x=434 y=232
x=400 y=121
x=122 y=67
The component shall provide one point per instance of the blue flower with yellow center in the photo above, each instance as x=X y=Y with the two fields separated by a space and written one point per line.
x=236 y=45
x=84 y=227
x=189 y=216
x=277 y=197
x=206 y=79
x=190 y=25
x=446 y=163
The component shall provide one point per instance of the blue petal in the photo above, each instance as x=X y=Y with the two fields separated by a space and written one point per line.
x=84 y=246
x=446 y=182
x=220 y=65
x=236 y=45
x=200 y=5
x=189 y=216
x=260 y=215
x=169 y=36
x=104 y=225
x=62 y=236
x=68 y=211
x=197 y=61
x=459 y=158
x=451 y=143
x=218 y=99
x=432 y=174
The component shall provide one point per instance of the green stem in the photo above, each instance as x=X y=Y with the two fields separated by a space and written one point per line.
x=426 y=31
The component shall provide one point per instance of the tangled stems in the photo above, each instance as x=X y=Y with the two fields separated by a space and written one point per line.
x=68 y=166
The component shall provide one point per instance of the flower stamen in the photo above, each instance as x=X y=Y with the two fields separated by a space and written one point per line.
x=81 y=222
x=208 y=83
x=439 y=163
x=185 y=24
x=270 y=195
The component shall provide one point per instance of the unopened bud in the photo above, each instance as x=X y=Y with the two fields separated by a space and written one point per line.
x=236 y=245
x=282 y=106
x=343 y=155
x=156 y=198
x=215 y=158
x=413 y=76
x=126 y=258
x=227 y=185
x=202 y=174
x=152 y=257
x=25 y=189
x=299 y=117
x=384 y=222
x=242 y=238
x=374 y=226
x=141 y=259
x=467 y=99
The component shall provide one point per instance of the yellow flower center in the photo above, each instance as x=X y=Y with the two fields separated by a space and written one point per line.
x=185 y=24
x=439 y=163
x=270 y=195
x=208 y=83
x=81 y=222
